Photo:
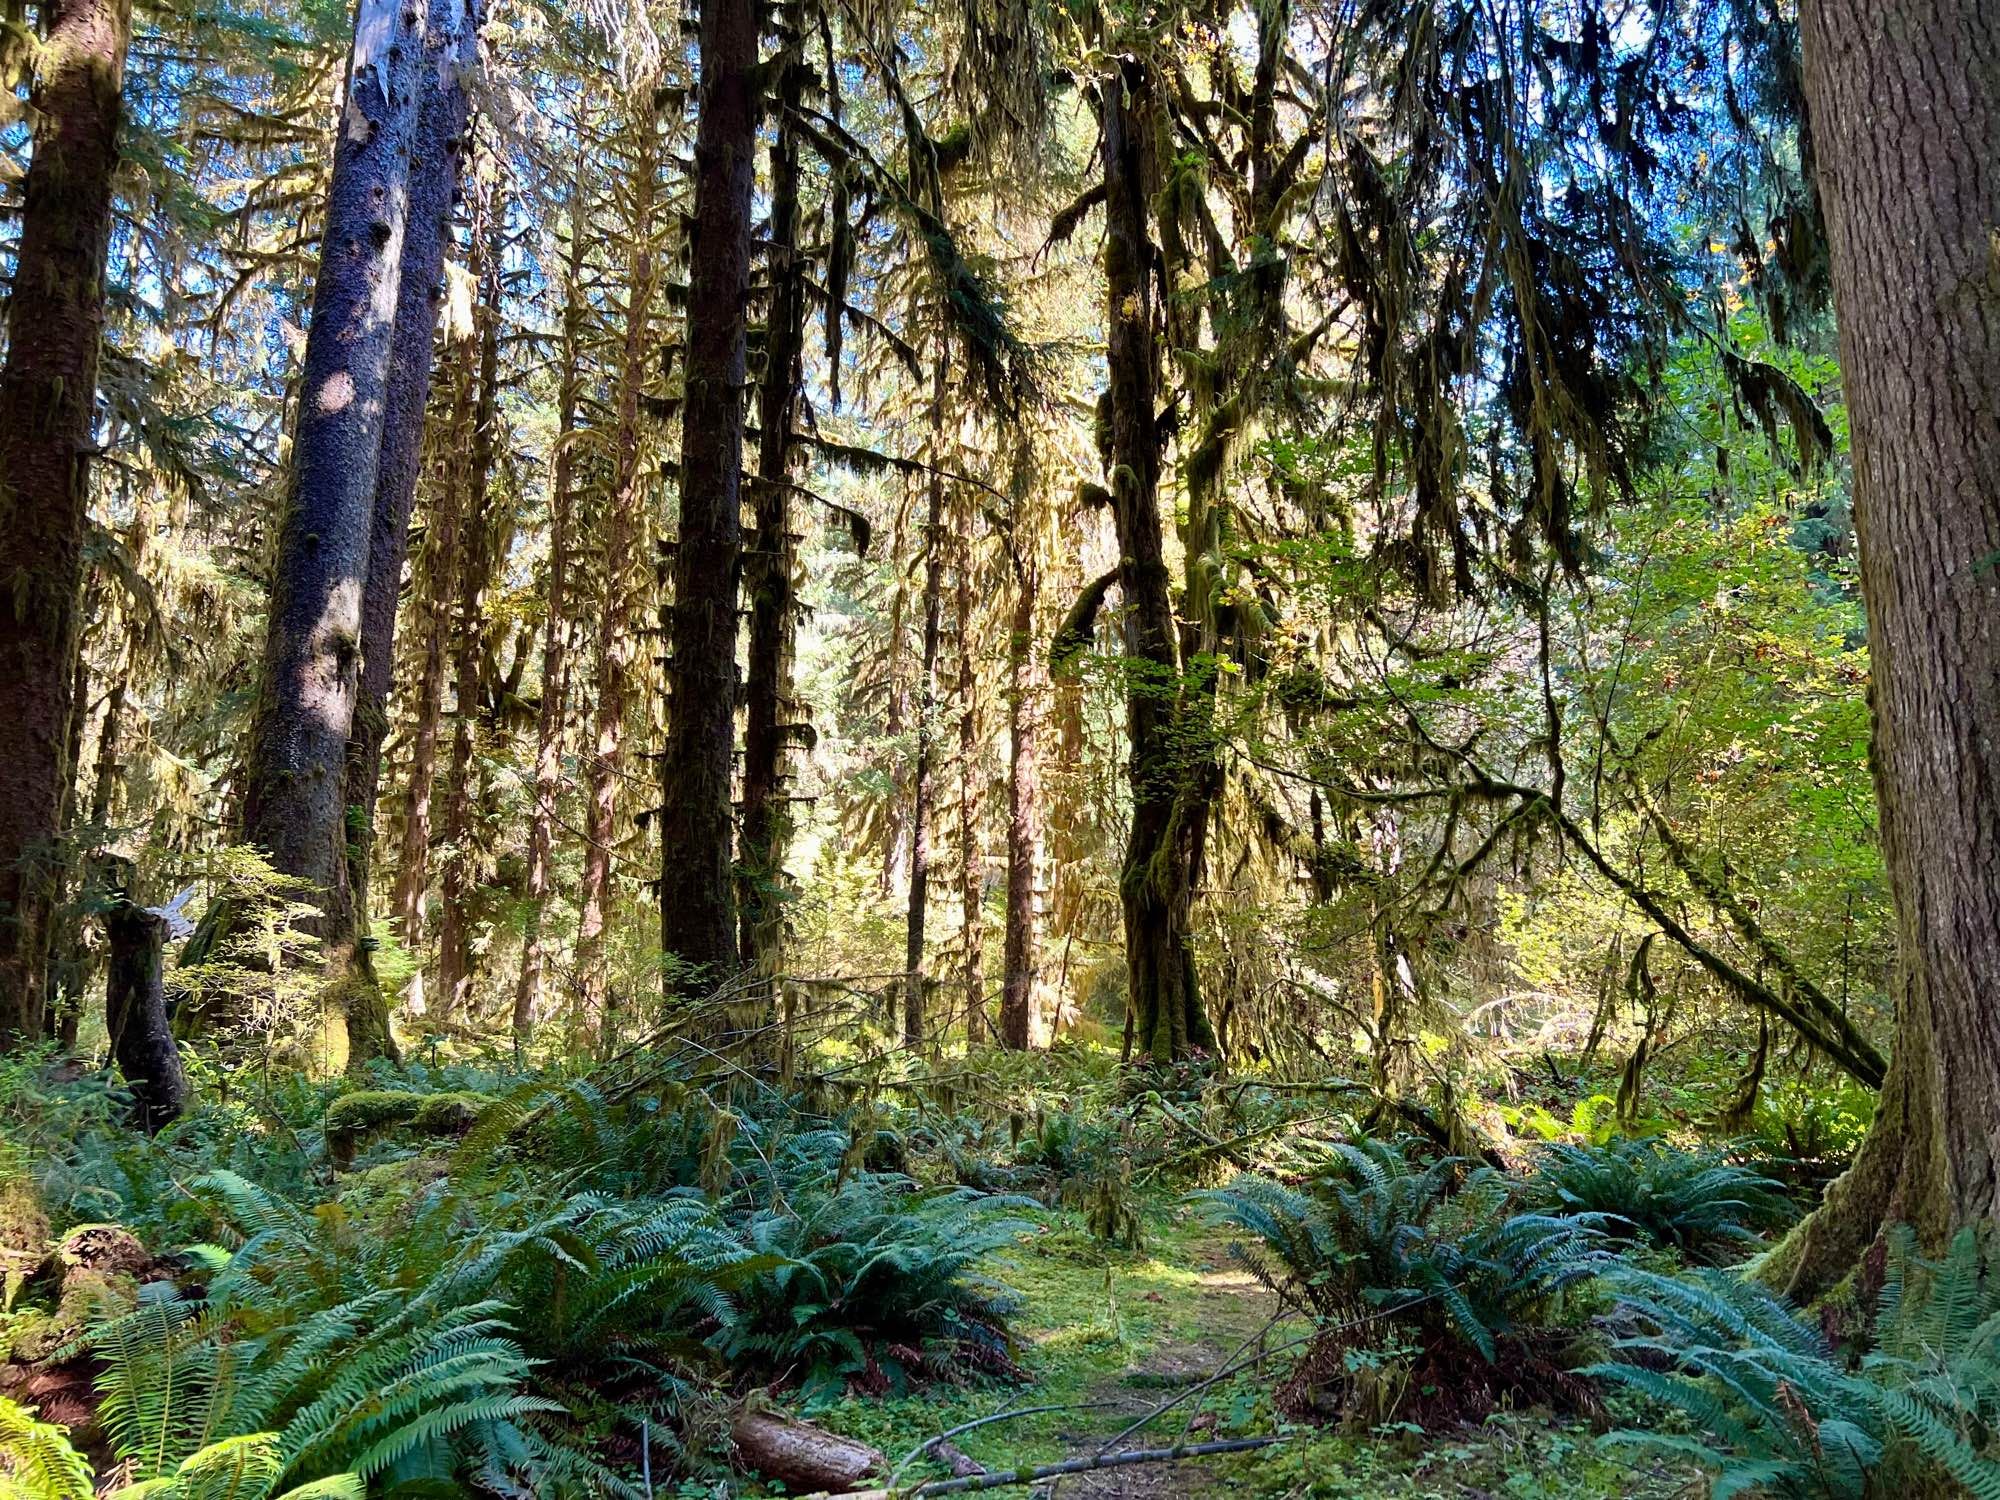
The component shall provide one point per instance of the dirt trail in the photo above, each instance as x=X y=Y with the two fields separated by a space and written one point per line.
x=1221 y=1322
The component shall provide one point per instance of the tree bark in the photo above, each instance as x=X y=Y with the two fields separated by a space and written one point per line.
x=917 y=911
x=135 y=1006
x=971 y=870
x=1156 y=884
x=295 y=803
x=441 y=545
x=474 y=566
x=528 y=996
x=697 y=832
x=768 y=568
x=442 y=118
x=614 y=622
x=48 y=399
x=1024 y=835
x=1905 y=105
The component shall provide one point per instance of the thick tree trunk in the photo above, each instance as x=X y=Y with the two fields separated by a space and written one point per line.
x=1024 y=835
x=971 y=868
x=48 y=397
x=615 y=646
x=1156 y=885
x=768 y=568
x=295 y=802
x=1905 y=105
x=697 y=831
x=135 y=1007
x=914 y=981
x=442 y=117
x=528 y=998
x=475 y=563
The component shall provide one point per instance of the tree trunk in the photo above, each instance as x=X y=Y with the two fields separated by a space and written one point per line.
x=475 y=562
x=528 y=999
x=971 y=870
x=295 y=802
x=1905 y=106
x=442 y=118
x=768 y=569
x=48 y=398
x=697 y=832
x=614 y=622
x=135 y=1006
x=76 y=965
x=914 y=981
x=1024 y=834
x=441 y=544
x=1156 y=885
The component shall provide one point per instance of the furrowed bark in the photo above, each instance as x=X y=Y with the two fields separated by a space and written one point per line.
x=48 y=397
x=697 y=832
x=1905 y=104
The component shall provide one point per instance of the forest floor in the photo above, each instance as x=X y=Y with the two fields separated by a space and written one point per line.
x=1112 y=1336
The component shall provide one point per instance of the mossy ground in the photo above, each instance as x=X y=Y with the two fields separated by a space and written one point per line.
x=1109 y=1335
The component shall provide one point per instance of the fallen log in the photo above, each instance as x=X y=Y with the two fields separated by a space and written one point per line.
x=805 y=1458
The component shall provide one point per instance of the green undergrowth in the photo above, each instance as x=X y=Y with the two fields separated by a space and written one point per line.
x=1108 y=1334
x=1092 y=1322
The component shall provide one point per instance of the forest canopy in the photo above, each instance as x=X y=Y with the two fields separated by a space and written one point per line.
x=711 y=712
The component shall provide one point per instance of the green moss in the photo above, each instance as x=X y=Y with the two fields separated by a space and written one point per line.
x=354 y=1118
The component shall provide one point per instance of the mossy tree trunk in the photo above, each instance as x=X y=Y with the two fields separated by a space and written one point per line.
x=1019 y=960
x=971 y=865
x=770 y=563
x=1905 y=106
x=623 y=519
x=528 y=997
x=474 y=566
x=1162 y=855
x=48 y=395
x=916 y=982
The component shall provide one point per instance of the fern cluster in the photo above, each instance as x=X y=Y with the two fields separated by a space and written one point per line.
x=871 y=1278
x=1436 y=1248
x=391 y=1358
x=1695 y=1202
x=1777 y=1411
